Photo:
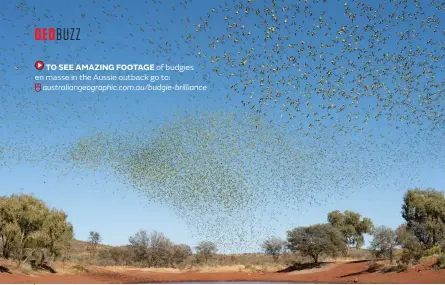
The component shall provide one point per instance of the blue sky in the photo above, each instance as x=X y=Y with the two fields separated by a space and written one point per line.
x=95 y=201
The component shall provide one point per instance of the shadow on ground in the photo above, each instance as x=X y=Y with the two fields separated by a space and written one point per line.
x=303 y=266
x=44 y=267
x=4 y=269
x=362 y=261
x=372 y=268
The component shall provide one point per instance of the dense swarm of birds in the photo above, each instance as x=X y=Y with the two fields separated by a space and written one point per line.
x=218 y=170
x=327 y=63
x=315 y=99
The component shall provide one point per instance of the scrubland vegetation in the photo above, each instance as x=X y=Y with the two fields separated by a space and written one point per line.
x=34 y=236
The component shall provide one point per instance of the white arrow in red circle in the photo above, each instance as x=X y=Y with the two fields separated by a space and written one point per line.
x=39 y=65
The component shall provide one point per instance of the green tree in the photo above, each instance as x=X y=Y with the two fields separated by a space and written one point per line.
x=206 y=249
x=9 y=228
x=316 y=240
x=28 y=215
x=352 y=226
x=274 y=246
x=57 y=234
x=384 y=242
x=28 y=228
x=424 y=212
x=412 y=248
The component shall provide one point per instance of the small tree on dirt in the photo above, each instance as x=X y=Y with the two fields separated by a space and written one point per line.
x=94 y=239
x=206 y=250
x=160 y=250
x=274 y=246
x=139 y=243
x=352 y=226
x=316 y=240
x=180 y=253
x=384 y=242
x=152 y=249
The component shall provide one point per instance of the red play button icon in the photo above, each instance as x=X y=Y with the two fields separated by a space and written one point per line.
x=39 y=65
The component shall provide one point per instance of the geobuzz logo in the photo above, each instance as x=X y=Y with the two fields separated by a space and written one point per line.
x=57 y=34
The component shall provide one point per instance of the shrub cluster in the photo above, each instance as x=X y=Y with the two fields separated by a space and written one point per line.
x=32 y=232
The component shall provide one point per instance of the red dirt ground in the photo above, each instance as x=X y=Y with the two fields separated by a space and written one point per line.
x=352 y=272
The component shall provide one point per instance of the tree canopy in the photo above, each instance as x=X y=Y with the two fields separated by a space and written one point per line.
x=384 y=242
x=206 y=249
x=424 y=212
x=351 y=225
x=29 y=229
x=316 y=240
x=274 y=246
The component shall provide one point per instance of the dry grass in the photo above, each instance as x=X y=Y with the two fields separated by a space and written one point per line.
x=263 y=268
x=9 y=266
x=79 y=247
x=324 y=267
x=127 y=268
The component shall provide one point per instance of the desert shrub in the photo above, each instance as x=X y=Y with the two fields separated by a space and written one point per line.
x=440 y=262
x=409 y=257
x=433 y=251
x=185 y=265
x=26 y=269
x=104 y=257
x=264 y=268
x=248 y=267
x=401 y=267
x=104 y=254
x=412 y=248
x=79 y=268
x=396 y=268
x=373 y=267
